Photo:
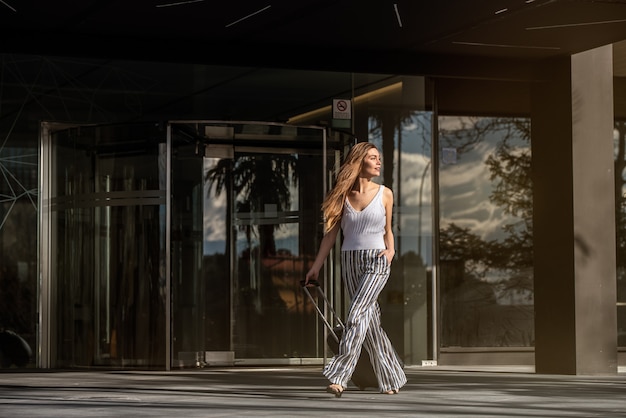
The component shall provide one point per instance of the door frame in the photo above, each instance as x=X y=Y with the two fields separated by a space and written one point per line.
x=231 y=143
x=46 y=258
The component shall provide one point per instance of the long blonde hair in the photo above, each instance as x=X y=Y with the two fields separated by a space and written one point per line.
x=346 y=177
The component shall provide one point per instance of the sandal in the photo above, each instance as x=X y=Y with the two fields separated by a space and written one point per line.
x=391 y=392
x=335 y=389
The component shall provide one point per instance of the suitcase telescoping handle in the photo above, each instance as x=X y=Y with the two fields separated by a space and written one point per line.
x=316 y=284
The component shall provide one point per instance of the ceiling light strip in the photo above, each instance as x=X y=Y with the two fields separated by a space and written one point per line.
x=179 y=3
x=8 y=5
x=571 y=25
x=246 y=17
x=505 y=46
x=395 y=8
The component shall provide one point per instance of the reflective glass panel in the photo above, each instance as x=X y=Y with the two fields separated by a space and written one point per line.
x=108 y=229
x=268 y=262
x=201 y=275
x=485 y=245
x=18 y=246
x=620 y=226
x=400 y=125
x=619 y=137
x=245 y=222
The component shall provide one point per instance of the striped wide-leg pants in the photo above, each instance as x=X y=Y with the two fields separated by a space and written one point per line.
x=365 y=275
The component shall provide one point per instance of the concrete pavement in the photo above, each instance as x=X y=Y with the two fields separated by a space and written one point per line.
x=299 y=392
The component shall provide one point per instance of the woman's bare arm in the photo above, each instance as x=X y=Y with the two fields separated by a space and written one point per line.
x=325 y=246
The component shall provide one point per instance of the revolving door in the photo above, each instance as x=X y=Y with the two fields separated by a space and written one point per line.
x=245 y=222
x=180 y=244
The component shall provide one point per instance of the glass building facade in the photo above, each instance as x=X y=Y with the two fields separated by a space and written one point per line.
x=161 y=215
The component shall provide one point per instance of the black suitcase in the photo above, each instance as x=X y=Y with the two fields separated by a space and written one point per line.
x=363 y=376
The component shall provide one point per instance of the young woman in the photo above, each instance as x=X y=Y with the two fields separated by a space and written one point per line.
x=362 y=210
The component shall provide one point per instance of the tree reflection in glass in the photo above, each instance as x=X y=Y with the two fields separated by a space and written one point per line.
x=485 y=246
x=262 y=187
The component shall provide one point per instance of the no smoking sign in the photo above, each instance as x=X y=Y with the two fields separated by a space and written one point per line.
x=342 y=109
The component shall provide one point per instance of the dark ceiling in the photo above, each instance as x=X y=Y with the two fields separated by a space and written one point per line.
x=94 y=60
x=371 y=35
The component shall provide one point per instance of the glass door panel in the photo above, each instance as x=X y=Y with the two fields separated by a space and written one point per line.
x=269 y=228
x=485 y=232
x=107 y=226
x=406 y=301
x=201 y=307
x=246 y=224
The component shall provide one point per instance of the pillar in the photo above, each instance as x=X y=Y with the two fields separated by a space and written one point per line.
x=573 y=216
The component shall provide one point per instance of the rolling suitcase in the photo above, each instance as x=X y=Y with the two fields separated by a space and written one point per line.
x=363 y=375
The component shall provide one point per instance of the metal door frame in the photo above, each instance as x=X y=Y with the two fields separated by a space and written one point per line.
x=236 y=148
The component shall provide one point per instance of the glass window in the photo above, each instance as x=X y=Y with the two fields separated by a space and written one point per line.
x=400 y=125
x=485 y=232
x=213 y=245
x=245 y=222
x=620 y=227
x=619 y=95
x=18 y=243
x=108 y=231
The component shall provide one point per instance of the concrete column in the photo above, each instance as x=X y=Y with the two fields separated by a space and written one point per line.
x=574 y=219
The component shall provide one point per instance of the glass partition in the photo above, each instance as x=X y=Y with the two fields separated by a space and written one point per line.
x=107 y=228
x=485 y=232
x=407 y=169
x=620 y=224
x=619 y=96
x=395 y=113
x=399 y=122
x=245 y=222
x=201 y=301
x=18 y=241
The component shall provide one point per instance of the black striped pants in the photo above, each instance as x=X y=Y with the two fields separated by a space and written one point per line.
x=365 y=274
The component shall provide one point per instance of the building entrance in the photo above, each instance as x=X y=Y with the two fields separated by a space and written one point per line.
x=180 y=244
x=245 y=217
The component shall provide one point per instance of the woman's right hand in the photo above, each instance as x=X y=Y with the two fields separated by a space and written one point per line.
x=311 y=275
x=327 y=243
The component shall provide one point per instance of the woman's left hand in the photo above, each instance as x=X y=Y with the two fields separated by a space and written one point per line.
x=387 y=253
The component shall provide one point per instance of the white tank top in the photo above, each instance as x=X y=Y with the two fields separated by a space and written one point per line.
x=364 y=230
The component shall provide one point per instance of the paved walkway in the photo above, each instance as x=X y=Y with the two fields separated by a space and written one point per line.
x=299 y=392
